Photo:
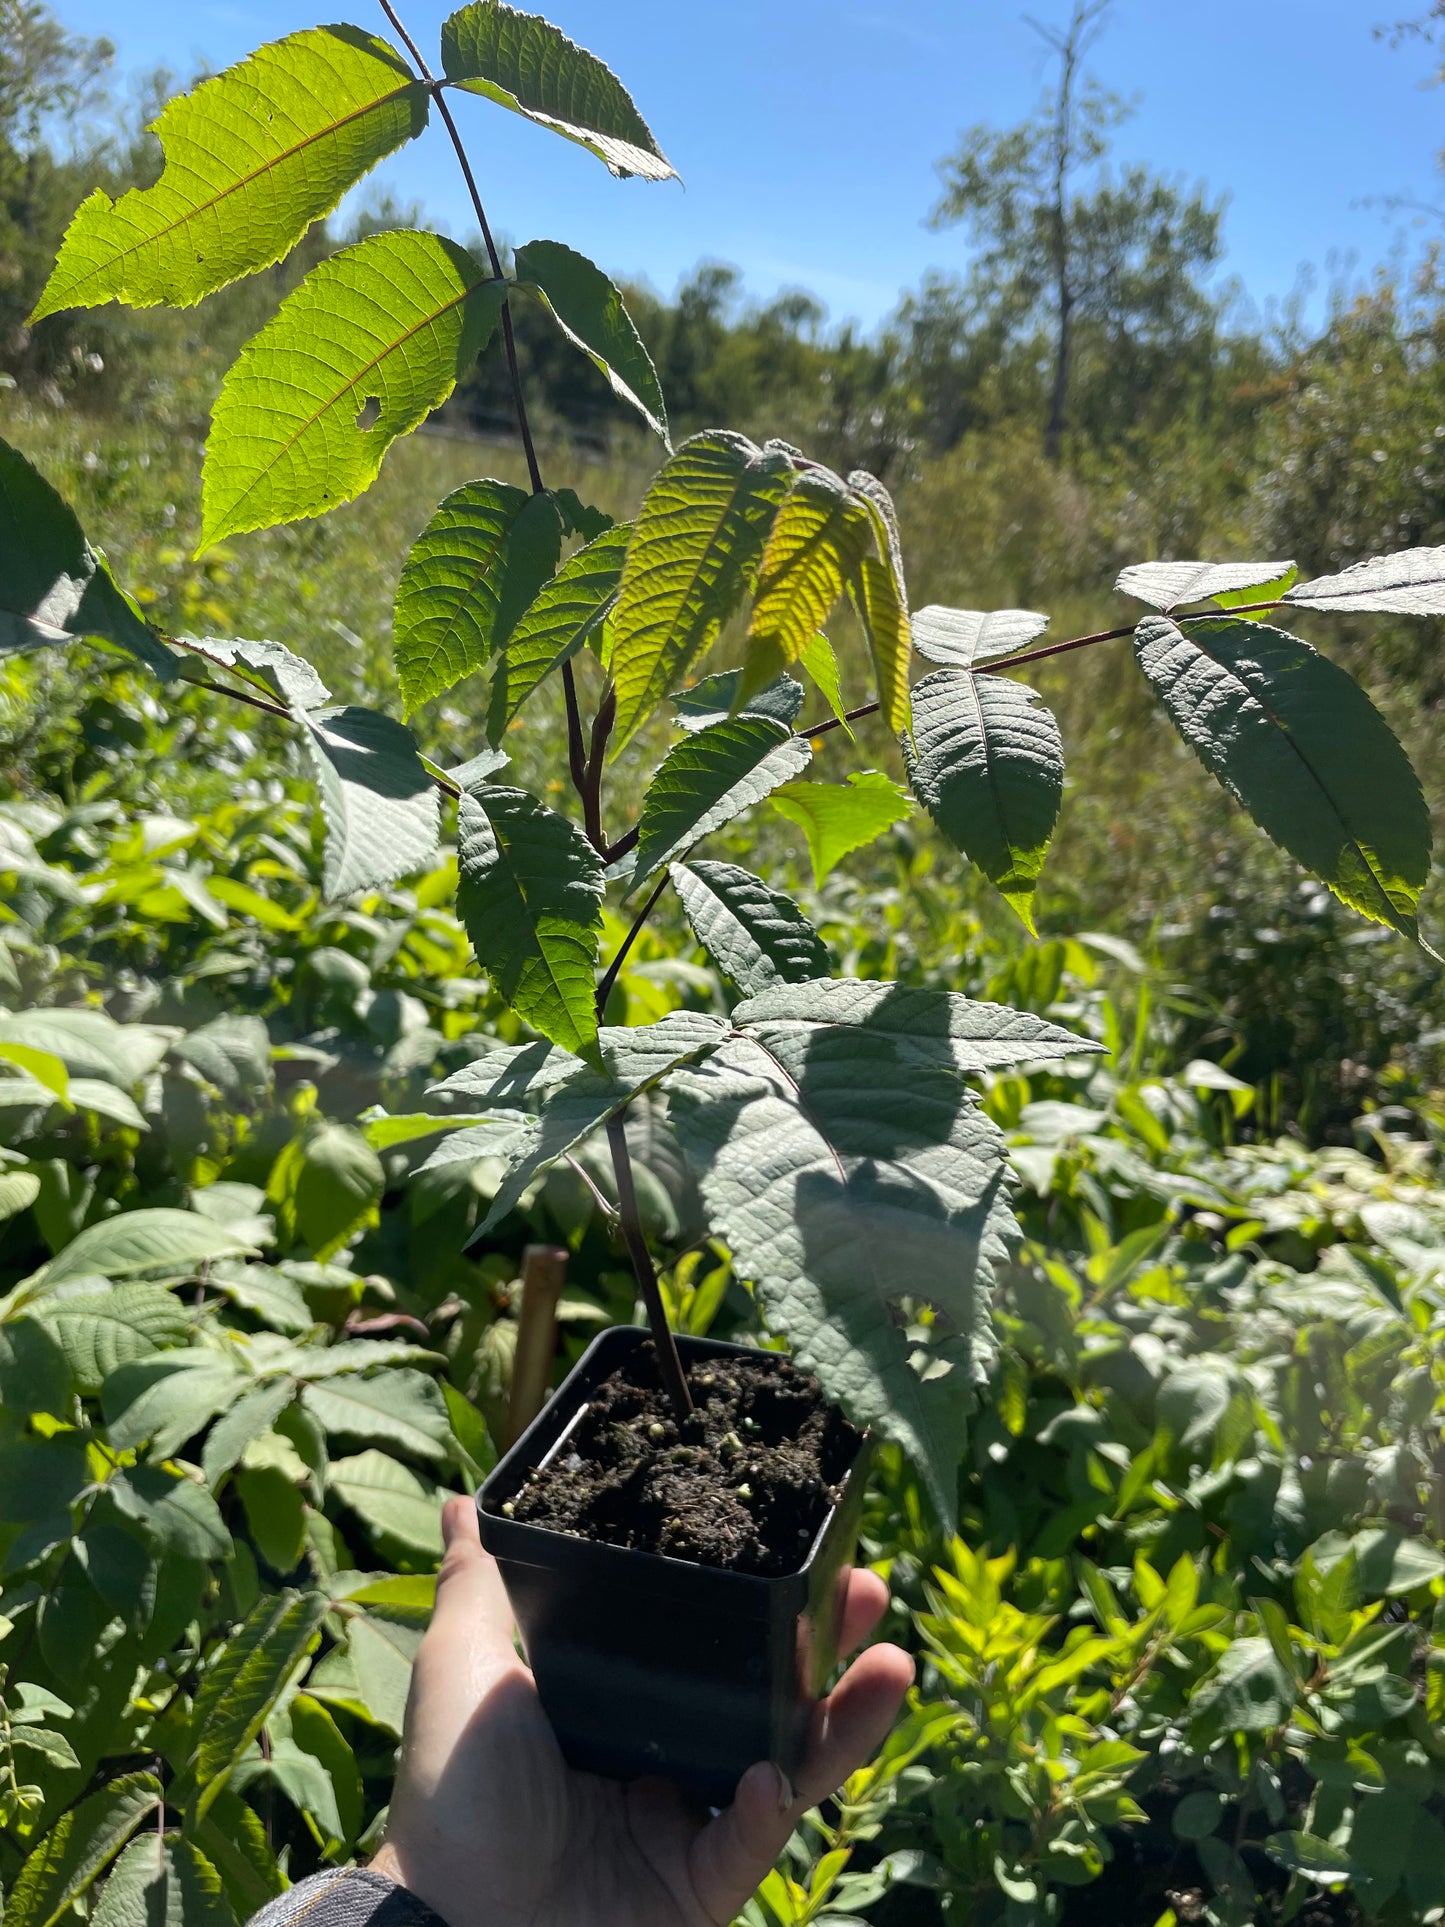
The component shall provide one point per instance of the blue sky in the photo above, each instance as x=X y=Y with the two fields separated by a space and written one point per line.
x=807 y=130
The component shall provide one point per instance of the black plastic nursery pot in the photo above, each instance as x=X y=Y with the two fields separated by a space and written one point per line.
x=648 y=1664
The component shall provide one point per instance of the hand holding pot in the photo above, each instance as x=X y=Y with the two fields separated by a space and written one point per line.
x=490 y=1827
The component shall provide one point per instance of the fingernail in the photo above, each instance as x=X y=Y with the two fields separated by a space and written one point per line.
x=782 y=1790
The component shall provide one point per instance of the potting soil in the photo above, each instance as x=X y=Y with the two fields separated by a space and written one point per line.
x=744 y=1482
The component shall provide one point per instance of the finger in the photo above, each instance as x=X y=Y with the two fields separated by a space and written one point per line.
x=852 y=1723
x=864 y=1604
x=733 y=1853
x=731 y=1856
x=471 y=1601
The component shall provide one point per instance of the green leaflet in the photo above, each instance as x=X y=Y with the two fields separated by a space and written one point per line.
x=569 y=610
x=471 y=573
x=838 y=818
x=884 y=616
x=157 y=1240
x=1300 y=745
x=325 y=1185
x=966 y=637
x=381 y=808
x=709 y=778
x=1170 y=585
x=531 y=899
x=173 y=1886
x=715 y=698
x=589 y=311
x=100 y=1330
x=270 y=666
x=525 y=63
x=821 y=664
x=1411 y=583
x=245 y=1682
x=691 y=561
x=815 y=546
x=846 y=1175
x=929 y=1026
x=391 y=1500
x=571 y=1098
x=78 y=1848
x=253 y=157
x=988 y=766
x=167 y=1398
x=394 y=320
x=400 y=1406
x=54 y=587
x=757 y=935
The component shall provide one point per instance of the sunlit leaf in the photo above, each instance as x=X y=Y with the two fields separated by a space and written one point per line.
x=1299 y=744
x=692 y=559
x=755 y=934
x=1170 y=585
x=817 y=542
x=252 y=157
x=709 y=778
x=589 y=310
x=381 y=808
x=531 y=899
x=523 y=62
x=471 y=574
x=395 y=321
x=1411 y=583
x=964 y=637
x=838 y=818
x=562 y=618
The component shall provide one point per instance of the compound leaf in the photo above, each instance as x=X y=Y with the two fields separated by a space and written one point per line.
x=988 y=766
x=531 y=899
x=523 y=62
x=381 y=808
x=395 y=320
x=816 y=544
x=755 y=934
x=252 y=158
x=1300 y=745
x=838 y=818
x=964 y=637
x=569 y=610
x=709 y=778
x=54 y=587
x=1411 y=583
x=77 y=1848
x=693 y=557
x=589 y=310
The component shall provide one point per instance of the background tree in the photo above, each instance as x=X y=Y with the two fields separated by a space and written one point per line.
x=1063 y=248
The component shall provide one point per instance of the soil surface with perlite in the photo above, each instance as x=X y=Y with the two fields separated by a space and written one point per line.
x=744 y=1483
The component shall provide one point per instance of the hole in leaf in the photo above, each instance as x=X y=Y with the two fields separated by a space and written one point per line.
x=370 y=410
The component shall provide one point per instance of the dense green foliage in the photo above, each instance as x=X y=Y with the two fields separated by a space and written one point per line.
x=271 y=1153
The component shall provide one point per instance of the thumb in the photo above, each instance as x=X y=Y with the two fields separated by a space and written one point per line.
x=733 y=1853
x=471 y=1601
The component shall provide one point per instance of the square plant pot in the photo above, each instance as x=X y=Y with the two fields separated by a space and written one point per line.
x=648 y=1664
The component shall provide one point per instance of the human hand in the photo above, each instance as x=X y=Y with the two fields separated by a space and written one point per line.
x=491 y=1827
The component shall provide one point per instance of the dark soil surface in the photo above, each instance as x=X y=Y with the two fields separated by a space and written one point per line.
x=744 y=1483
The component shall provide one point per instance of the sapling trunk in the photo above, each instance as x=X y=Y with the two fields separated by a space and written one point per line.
x=668 y=1362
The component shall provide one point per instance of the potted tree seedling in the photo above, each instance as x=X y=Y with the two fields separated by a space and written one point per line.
x=673 y=1524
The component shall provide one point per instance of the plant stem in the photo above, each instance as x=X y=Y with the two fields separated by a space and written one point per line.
x=586 y=776
x=998 y=665
x=544 y=1272
x=592 y=774
x=669 y=1364
x=604 y=989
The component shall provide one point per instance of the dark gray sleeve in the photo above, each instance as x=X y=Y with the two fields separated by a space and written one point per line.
x=354 y=1897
